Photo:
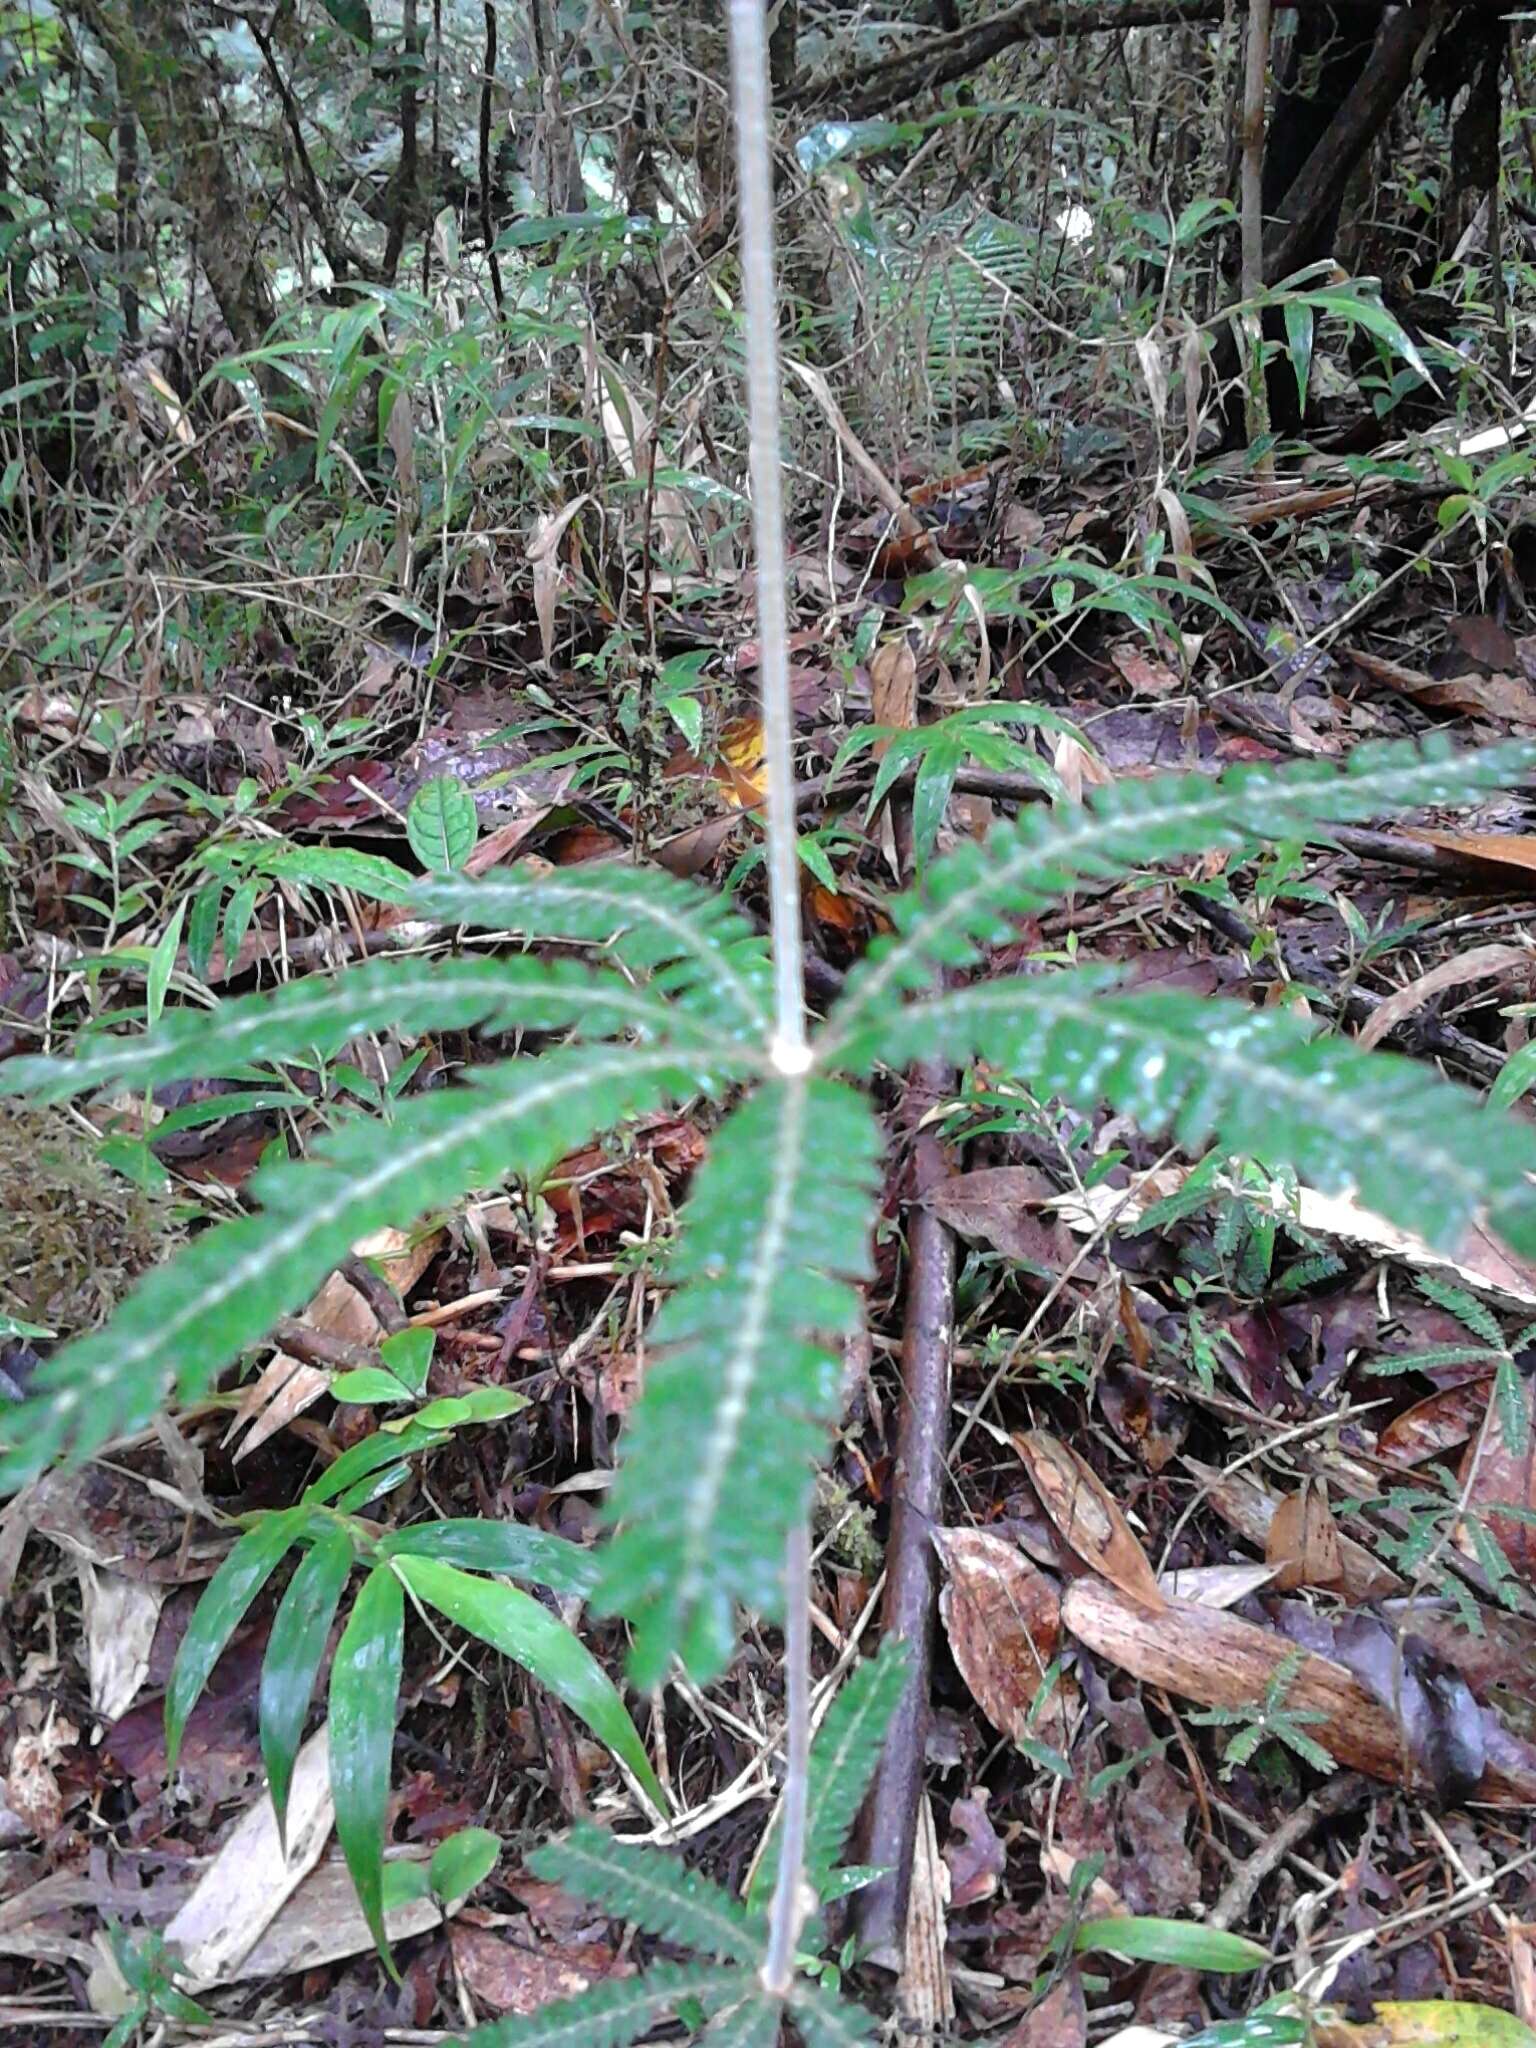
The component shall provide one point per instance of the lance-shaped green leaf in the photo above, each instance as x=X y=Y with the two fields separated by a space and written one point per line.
x=612 y=2015
x=319 y=1014
x=968 y=899
x=690 y=940
x=657 y=1891
x=294 y=1649
x=510 y=1548
x=1182 y=1944
x=365 y=1692
x=514 y=1623
x=220 y=1612
x=193 y=1316
x=745 y=1372
x=1416 y=1149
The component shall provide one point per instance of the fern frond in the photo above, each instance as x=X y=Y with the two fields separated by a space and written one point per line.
x=612 y=2015
x=843 y=1759
x=688 y=939
x=968 y=897
x=754 y=2023
x=655 y=1890
x=1418 y=1150
x=320 y=1013
x=717 y=1459
x=828 y=2022
x=187 y=1320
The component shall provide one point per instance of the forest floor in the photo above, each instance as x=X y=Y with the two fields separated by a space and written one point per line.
x=1311 y=1431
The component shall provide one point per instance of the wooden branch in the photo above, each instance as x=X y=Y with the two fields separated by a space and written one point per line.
x=1404 y=39
x=919 y=70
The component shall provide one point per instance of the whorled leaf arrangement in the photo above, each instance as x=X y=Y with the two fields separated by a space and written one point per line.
x=715 y=1465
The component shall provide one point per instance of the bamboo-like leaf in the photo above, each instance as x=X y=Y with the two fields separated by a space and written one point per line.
x=514 y=1623
x=510 y=1548
x=365 y=1692
x=1417 y=1150
x=1182 y=1944
x=694 y=944
x=654 y=1890
x=192 y=1317
x=320 y=1013
x=743 y=1372
x=968 y=898
x=843 y=1759
x=294 y=1650
x=613 y=2014
x=220 y=1612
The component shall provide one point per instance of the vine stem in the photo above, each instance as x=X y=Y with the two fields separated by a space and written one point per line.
x=789 y=1051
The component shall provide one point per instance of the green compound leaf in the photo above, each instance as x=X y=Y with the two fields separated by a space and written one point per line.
x=968 y=899
x=514 y=1623
x=1419 y=1151
x=188 y=1319
x=745 y=1370
x=365 y=1692
x=690 y=941
x=442 y=825
x=320 y=1014
x=655 y=1890
x=612 y=2015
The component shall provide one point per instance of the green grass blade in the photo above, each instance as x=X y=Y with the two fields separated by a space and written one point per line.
x=510 y=1548
x=294 y=1650
x=514 y=1623
x=220 y=1612
x=364 y=1698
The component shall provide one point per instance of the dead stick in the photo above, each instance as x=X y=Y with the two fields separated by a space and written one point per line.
x=917 y=1492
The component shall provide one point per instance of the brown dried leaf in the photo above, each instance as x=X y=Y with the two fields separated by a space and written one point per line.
x=1504 y=1478
x=1302 y=1541
x=1085 y=1514
x=1002 y=1616
x=1480 y=963
x=1245 y=1505
x=1060 y=2020
x=974 y=1853
x=522 y=1972
x=1512 y=854
x=1202 y=1654
x=1434 y=1425
x=892 y=688
x=996 y=1206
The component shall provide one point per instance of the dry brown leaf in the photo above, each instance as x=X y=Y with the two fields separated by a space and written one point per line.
x=1503 y=1478
x=1512 y=853
x=1438 y=1423
x=999 y=1206
x=892 y=688
x=1202 y=1654
x=1086 y=1516
x=1151 y=678
x=925 y=1996
x=1060 y=2020
x=1302 y=1541
x=1506 y=698
x=1249 y=1509
x=1002 y=1616
x=521 y=1971
x=1480 y=963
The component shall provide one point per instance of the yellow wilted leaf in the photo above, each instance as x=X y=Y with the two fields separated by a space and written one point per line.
x=743 y=773
x=1426 y=2023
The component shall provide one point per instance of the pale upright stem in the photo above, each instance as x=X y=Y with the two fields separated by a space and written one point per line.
x=1256 y=78
x=754 y=171
x=790 y=1053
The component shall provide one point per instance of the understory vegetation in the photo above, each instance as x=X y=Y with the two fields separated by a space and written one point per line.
x=765 y=1053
